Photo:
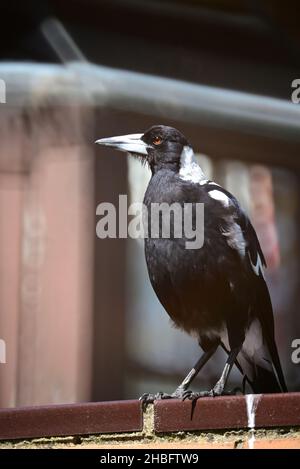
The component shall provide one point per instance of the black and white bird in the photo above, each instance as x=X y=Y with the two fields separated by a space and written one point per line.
x=218 y=292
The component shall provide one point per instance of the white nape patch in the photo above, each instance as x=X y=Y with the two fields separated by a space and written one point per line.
x=258 y=268
x=220 y=196
x=235 y=237
x=189 y=169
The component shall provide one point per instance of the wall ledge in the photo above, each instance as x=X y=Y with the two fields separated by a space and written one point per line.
x=222 y=422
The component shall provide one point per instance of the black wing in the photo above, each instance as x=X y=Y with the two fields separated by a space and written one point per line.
x=254 y=262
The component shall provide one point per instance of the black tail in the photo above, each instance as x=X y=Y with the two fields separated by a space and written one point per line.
x=261 y=365
x=278 y=374
x=275 y=374
x=265 y=381
x=272 y=377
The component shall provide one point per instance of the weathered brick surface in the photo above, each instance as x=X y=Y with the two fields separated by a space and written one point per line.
x=72 y=419
x=214 y=423
x=227 y=412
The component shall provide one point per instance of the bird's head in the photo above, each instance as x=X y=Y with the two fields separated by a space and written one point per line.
x=160 y=146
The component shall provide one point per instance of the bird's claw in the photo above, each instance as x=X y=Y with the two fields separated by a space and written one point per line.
x=215 y=392
x=148 y=398
x=194 y=396
x=180 y=393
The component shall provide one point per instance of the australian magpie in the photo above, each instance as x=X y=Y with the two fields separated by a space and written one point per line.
x=218 y=292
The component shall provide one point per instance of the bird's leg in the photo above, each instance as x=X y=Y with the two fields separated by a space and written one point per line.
x=218 y=388
x=179 y=392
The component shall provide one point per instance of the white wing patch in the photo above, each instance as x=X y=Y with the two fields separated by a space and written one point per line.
x=253 y=339
x=189 y=169
x=235 y=237
x=219 y=195
x=258 y=267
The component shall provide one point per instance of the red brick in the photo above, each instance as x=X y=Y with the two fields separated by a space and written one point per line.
x=71 y=419
x=227 y=412
x=209 y=414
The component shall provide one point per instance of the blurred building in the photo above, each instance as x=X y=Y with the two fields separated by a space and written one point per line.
x=77 y=314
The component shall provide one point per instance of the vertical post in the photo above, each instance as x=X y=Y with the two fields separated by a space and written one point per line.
x=46 y=254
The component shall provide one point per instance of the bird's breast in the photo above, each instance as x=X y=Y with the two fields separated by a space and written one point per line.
x=185 y=285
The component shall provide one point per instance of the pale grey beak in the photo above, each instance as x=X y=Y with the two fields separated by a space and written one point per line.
x=129 y=143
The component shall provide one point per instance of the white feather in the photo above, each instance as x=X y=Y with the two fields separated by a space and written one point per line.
x=220 y=196
x=189 y=169
x=258 y=267
x=254 y=339
x=235 y=237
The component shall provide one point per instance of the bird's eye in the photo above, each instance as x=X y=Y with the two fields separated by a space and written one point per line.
x=157 y=140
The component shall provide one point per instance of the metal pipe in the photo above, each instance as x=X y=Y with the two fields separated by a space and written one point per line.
x=161 y=97
x=188 y=102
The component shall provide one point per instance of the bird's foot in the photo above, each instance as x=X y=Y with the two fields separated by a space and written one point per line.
x=183 y=394
x=215 y=392
x=194 y=396
x=148 y=398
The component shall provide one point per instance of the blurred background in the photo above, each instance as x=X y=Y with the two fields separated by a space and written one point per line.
x=77 y=314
